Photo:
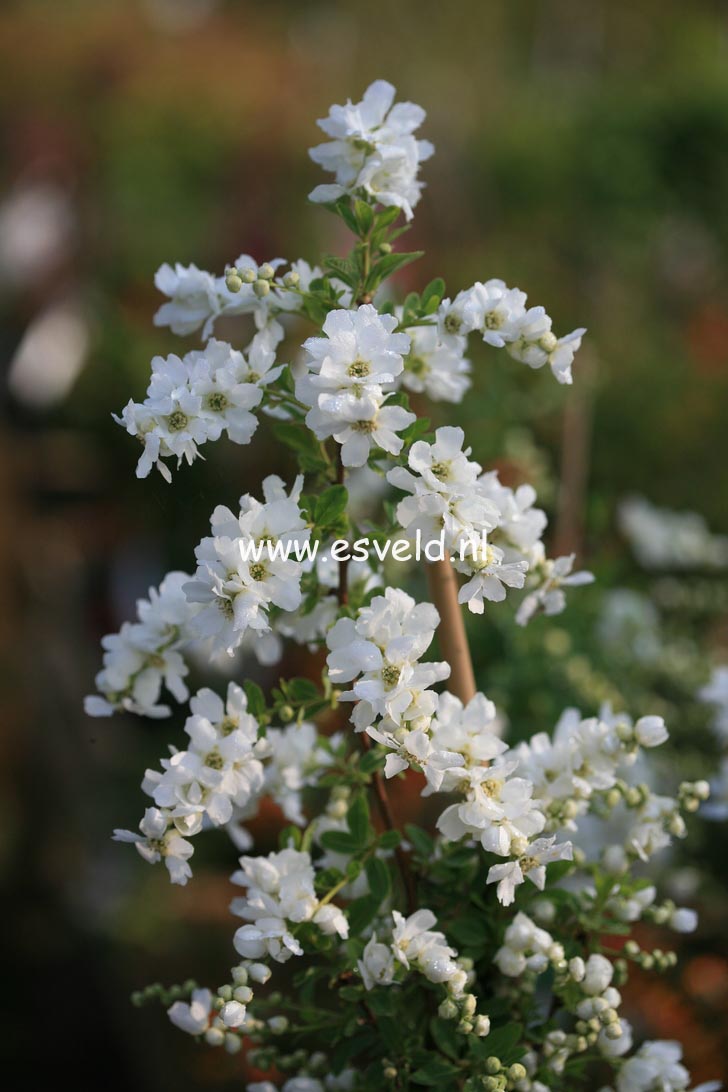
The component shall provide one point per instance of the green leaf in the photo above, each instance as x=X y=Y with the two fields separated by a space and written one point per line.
x=434 y=290
x=468 y=930
x=390 y=263
x=357 y=819
x=447 y=1038
x=420 y=839
x=256 y=698
x=416 y=430
x=302 y=441
x=380 y=882
x=361 y=912
x=347 y=1049
x=505 y=1042
x=390 y=839
x=387 y=216
x=331 y=505
x=371 y=761
x=340 y=842
x=302 y=690
x=436 y=1071
x=343 y=208
x=364 y=214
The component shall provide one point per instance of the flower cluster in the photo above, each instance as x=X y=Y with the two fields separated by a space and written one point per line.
x=380 y=653
x=145 y=655
x=493 y=532
x=436 y=368
x=197 y=398
x=220 y=777
x=196 y=298
x=372 y=150
x=240 y=575
x=664 y=539
x=351 y=372
x=500 y=315
x=414 y=945
x=280 y=895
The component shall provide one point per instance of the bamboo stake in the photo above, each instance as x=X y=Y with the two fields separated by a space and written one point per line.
x=451 y=632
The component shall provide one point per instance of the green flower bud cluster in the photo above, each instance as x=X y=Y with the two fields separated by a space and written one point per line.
x=165 y=995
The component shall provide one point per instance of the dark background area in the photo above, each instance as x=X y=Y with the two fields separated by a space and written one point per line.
x=582 y=154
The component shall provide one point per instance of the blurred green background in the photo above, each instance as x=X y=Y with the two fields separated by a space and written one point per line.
x=582 y=154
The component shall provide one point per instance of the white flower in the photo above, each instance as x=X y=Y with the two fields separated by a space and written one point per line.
x=296 y=760
x=232 y=1014
x=498 y=810
x=598 y=975
x=650 y=731
x=499 y=314
x=716 y=693
x=519 y=523
x=195 y=1017
x=409 y=933
x=146 y=654
x=492 y=572
x=159 y=842
x=240 y=574
x=220 y=769
x=683 y=920
x=359 y=351
x=656 y=1065
x=549 y=597
x=383 y=646
x=195 y=399
x=665 y=539
x=376 y=965
x=351 y=372
x=280 y=891
x=470 y=731
x=532 y=864
x=373 y=149
x=526 y=947
x=192 y=297
x=432 y=367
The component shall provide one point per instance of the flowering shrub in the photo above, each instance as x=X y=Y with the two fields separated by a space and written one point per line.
x=418 y=957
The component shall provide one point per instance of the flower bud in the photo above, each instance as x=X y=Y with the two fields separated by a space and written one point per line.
x=259 y=972
x=291 y=279
x=247 y=276
x=266 y=271
x=233 y=1043
x=233 y=281
x=214 y=1037
x=261 y=288
x=482 y=1025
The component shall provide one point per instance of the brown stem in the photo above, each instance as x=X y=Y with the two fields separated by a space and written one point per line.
x=385 y=810
x=451 y=631
x=343 y=562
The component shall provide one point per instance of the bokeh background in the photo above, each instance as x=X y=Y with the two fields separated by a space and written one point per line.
x=582 y=153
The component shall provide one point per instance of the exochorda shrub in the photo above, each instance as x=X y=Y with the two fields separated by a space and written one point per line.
x=486 y=953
